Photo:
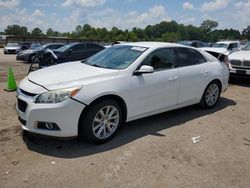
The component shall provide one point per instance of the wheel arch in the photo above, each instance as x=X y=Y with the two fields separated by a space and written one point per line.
x=117 y=98
x=218 y=81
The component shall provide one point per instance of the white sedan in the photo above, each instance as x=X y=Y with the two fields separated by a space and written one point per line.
x=240 y=62
x=93 y=97
x=12 y=48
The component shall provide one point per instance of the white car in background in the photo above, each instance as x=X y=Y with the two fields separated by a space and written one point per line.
x=93 y=97
x=239 y=62
x=12 y=48
x=224 y=47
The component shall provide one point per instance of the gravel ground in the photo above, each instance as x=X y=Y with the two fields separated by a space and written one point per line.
x=152 y=152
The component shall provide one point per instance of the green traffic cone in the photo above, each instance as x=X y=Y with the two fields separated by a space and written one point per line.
x=11 y=83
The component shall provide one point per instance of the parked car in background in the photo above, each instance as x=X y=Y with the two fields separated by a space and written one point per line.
x=25 y=45
x=93 y=97
x=240 y=62
x=225 y=47
x=12 y=48
x=71 y=52
x=27 y=55
x=194 y=43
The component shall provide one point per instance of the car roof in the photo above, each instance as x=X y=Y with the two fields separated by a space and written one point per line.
x=152 y=44
x=48 y=44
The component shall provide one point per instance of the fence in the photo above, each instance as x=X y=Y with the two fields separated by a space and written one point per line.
x=44 y=40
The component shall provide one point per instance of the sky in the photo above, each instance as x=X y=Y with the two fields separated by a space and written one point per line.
x=65 y=15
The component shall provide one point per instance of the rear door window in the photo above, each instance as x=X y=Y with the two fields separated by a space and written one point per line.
x=188 y=57
x=161 y=59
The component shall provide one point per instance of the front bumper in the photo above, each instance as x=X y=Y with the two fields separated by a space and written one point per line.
x=239 y=72
x=65 y=115
x=11 y=51
x=23 y=57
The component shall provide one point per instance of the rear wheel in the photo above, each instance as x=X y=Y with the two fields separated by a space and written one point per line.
x=211 y=95
x=101 y=121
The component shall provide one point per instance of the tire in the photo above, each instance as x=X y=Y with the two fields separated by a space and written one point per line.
x=95 y=125
x=211 y=95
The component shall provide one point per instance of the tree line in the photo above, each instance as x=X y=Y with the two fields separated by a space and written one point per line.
x=164 y=31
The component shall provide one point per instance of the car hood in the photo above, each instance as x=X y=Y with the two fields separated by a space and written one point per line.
x=70 y=74
x=240 y=55
x=216 y=50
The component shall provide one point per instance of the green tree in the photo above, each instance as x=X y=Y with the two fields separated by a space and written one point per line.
x=16 y=30
x=50 y=32
x=171 y=37
x=208 y=25
x=37 y=32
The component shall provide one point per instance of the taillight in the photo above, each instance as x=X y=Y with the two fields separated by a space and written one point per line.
x=226 y=61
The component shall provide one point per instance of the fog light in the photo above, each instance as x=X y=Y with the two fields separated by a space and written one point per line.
x=48 y=126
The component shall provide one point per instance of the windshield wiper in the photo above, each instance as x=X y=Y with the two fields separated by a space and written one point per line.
x=95 y=65
x=84 y=60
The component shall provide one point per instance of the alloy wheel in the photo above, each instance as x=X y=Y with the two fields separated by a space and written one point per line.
x=106 y=122
x=212 y=94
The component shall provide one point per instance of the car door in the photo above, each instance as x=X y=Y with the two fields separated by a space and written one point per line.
x=158 y=90
x=76 y=52
x=192 y=73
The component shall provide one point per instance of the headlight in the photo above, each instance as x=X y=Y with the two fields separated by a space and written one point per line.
x=57 y=96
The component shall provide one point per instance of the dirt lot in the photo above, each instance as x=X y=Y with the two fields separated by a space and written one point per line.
x=152 y=152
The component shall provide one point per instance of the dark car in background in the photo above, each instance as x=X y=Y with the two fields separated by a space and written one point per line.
x=194 y=43
x=72 y=52
x=27 y=55
x=25 y=45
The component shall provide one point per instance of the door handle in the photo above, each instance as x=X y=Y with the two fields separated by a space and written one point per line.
x=173 y=78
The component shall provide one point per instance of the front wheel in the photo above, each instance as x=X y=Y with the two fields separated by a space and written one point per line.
x=211 y=95
x=101 y=121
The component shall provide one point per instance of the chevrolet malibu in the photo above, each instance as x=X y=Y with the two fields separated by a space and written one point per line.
x=94 y=97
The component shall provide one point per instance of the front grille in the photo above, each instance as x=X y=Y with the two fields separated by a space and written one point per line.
x=22 y=105
x=242 y=68
x=11 y=51
x=235 y=62
x=28 y=93
x=246 y=63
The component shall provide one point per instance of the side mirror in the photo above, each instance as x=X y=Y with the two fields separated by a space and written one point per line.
x=144 y=69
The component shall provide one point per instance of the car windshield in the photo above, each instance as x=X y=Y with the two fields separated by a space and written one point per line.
x=116 y=57
x=42 y=47
x=220 y=45
x=12 y=45
x=34 y=46
x=247 y=47
x=64 y=48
